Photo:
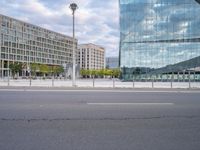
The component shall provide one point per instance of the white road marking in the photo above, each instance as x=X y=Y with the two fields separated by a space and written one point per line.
x=136 y=104
x=12 y=90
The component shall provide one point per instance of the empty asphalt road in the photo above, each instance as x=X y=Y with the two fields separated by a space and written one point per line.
x=99 y=120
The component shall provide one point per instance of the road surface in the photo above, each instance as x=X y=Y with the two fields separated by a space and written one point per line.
x=99 y=120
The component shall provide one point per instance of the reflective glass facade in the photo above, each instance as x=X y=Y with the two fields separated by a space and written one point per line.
x=160 y=40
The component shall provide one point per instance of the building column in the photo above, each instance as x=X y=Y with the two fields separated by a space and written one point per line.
x=86 y=51
x=81 y=57
x=8 y=69
x=90 y=59
x=2 y=69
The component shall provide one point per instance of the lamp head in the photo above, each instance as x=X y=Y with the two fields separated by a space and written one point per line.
x=73 y=7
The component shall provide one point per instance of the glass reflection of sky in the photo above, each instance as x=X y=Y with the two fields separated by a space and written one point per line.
x=153 y=20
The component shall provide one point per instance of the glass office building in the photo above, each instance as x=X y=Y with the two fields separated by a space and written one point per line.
x=160 y=40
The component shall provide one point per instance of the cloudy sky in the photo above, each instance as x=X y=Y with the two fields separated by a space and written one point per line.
x=96 y=20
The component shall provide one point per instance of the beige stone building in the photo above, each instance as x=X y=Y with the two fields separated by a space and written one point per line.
x=91 y=56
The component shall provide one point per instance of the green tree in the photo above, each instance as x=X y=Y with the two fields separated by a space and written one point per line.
x=34 y=68
x=44 y=69
x=57 y=69
x=116 y=73
x=93 y=73
x=15 y=68
x=108 y=72
x=83 y=73
x=101 y=73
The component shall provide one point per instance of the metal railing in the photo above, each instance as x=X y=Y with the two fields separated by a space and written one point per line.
x=100 y=83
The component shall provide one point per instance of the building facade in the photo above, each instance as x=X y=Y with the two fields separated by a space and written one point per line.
x=27 y=43
x=112 y=62
x=91 y=56
x=160 y=40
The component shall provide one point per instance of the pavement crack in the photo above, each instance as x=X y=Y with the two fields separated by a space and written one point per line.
x=97 y=119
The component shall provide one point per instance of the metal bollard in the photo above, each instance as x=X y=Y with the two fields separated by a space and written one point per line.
x=93 y=81
x=152 y=83
x=113 y=82
x=53 y=81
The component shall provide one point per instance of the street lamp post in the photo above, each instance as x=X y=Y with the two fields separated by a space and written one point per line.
x=73 y=7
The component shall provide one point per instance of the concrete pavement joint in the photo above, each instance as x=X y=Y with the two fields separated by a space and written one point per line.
x=99 y=119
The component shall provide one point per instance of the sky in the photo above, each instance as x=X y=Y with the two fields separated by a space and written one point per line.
x=97 y=21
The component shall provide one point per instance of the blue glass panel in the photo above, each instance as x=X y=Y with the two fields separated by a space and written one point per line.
x=159 y=37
